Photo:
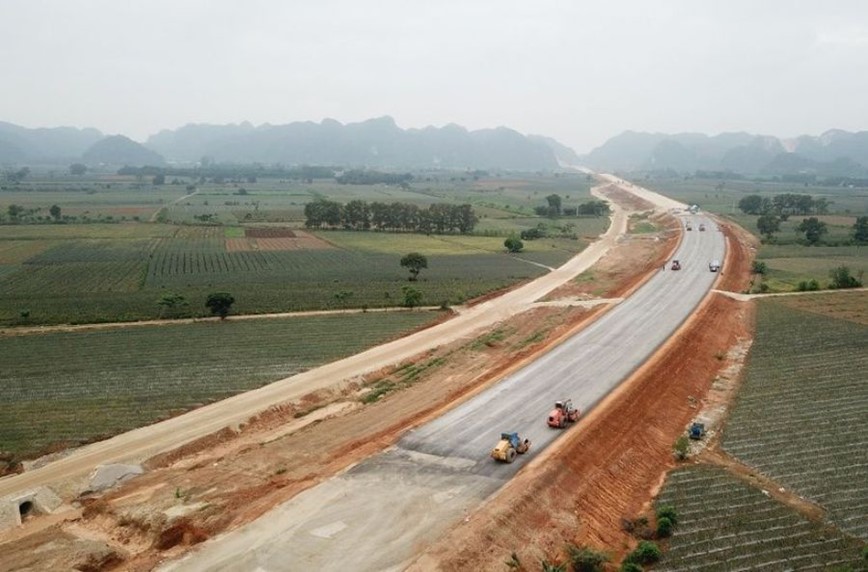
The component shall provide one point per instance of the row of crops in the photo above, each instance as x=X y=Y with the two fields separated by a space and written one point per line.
x=802 y=414
x=89 y=280
x=801 y=418
x=728 y=526
x=75 y=386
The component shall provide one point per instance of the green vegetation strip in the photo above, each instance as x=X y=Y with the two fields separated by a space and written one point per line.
x=802 y=414
x=725 y=525
x=69 y=388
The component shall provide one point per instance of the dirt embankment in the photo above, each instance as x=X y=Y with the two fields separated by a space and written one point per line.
x=611 y=465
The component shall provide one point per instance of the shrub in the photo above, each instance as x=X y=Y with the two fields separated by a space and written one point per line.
x=668 y=511
x=808 y=286
x=681 y=448
x=549 y=567
x=646 y=553
x=638 y=527
x=841 y=278
x=532 y=233
x=664 y=527
x=513 y=562
x=584 y=559
x=630 y=567
x=759 y=267
x=513 y=244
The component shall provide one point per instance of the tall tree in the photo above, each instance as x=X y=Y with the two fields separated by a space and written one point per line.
x=768 y=224
x=813 y=228
x=414 y=262
x=219 y=303
x=860 y=229
x=751 y=204
x=54 y=211
x=554 y=201
x=513 y=244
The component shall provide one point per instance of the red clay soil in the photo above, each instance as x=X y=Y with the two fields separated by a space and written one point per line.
x=612 y=464
x=741 y=247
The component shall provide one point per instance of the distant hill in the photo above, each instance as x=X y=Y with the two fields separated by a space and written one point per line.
x=45 y=145
x=372 y=143
x=120 y=150
x=835 y=153
x=565 y=155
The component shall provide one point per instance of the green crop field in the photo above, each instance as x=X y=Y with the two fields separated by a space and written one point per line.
x=73 y=387
x=84 y=271
x=801 y=416
x=725 y=525
x=790 y=264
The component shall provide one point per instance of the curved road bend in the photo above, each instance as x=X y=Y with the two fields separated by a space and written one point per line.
x=378 y=514
x=147 y=441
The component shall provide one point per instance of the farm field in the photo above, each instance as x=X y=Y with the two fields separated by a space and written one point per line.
x=801 y=416
x=496 y=199
x=710 y=196
x=66 y=388
x=81 y=272
x=788 y=265
x=726 y=525
x=97 y=280
x=788 y=262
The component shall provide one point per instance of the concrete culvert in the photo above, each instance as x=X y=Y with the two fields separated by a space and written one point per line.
x=25 y=508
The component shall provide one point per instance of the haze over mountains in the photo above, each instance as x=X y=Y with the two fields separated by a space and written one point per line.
x=380 y=143
x=834 y=153
x=373 y=143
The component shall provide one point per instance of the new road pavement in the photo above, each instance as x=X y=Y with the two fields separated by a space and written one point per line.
x=380 y=513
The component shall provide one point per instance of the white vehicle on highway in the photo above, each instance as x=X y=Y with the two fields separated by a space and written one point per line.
x=714 y=265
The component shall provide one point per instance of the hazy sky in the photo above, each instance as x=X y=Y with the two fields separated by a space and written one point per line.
x=579 y=71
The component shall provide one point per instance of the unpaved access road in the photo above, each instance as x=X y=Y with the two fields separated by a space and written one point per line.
x=147 y=441
x=381 y=512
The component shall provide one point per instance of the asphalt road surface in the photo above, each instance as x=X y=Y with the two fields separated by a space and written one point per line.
x=378 y=514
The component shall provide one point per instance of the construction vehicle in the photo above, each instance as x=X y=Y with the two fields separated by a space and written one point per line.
x=562 y=414
x=714 y=265
x=696 y=431
x=509 y=446
x=676 y=265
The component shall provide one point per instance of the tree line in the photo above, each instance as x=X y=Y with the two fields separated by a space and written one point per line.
x=369 y=177
x=784 y=205
x=554 y=208
x=438 y=218
x=772 y=211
